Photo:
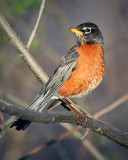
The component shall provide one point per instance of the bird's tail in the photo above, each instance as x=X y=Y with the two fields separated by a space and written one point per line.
x=21 y=124
x=38 y=105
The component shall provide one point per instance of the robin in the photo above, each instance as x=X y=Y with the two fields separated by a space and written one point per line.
x=80 y=71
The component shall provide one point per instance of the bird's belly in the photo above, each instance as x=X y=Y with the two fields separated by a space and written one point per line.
x=89 y=72
x=83 y=81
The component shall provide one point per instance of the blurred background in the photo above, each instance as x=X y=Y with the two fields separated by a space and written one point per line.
x=53 y=39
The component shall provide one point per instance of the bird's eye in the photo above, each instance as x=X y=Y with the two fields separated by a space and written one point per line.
x=88 y=30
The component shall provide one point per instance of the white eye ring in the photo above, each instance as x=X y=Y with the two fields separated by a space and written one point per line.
x=87 y=30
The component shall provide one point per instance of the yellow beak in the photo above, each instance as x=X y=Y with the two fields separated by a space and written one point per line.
x=74 y=30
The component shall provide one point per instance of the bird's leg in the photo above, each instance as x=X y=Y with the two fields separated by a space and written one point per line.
x=76 y=109
x=55 y=103
x=80 y=110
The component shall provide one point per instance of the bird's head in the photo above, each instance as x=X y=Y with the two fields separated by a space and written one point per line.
x=88 y=33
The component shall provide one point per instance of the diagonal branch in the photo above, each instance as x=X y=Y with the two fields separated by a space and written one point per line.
x=23 y=51
x=66 y=117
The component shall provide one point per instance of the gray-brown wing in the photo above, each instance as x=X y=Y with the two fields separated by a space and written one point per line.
x=64 y=71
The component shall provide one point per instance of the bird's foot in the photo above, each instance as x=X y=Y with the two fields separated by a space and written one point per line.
x=79 y=112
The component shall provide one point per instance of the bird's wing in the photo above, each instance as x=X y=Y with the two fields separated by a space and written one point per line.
x=64 y=71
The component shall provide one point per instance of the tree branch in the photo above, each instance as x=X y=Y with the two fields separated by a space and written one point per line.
x=65 y=117
x=23 y=51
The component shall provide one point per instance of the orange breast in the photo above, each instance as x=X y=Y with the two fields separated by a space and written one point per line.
x=89 y=72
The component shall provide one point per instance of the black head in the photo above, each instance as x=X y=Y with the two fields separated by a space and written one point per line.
x=88 y=33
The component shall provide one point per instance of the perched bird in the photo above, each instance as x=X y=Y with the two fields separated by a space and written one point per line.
x=80 y=71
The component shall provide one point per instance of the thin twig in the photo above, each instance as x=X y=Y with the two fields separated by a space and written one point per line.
x=112 y=106
x=36 y=25
x=49 y=143
x=90 y=147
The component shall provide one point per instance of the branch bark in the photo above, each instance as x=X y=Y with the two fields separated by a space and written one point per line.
x=65 y=117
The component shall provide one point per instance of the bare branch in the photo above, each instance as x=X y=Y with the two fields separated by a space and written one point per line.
x=66 y=117
x=23 y=51
x=37 y=23
x=86 y=143
x=112 y=106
